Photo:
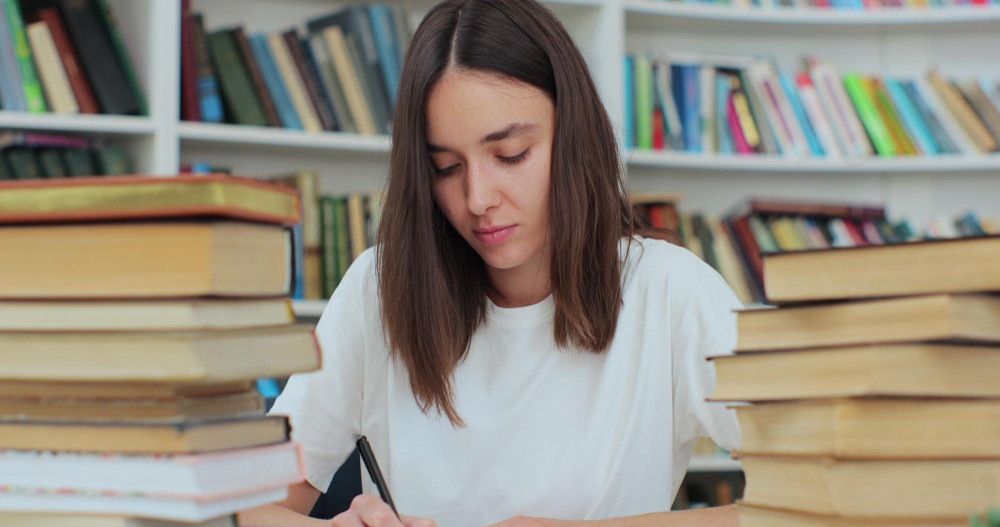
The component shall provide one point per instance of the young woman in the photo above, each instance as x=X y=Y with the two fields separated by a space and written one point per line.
x=512 y=348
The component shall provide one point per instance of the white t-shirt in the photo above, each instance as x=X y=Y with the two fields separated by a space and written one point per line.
x=549 y=432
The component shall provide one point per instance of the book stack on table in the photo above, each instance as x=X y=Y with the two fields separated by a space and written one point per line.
x=135 y=314
x=873 y=387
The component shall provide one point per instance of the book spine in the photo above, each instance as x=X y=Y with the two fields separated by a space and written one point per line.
x=310 y=60
x=311 y=88
x=383 y=35
x=332 y=89
x=643 y=103
x=32 y=89
x=360 y=112
x=966 y=117
x=50 y=70
x=121 y=51
x=258 y=82
x=800 y=114
x=70 y=61
x=706 y=110
x=911 y=117
x=891 y=116
x=869 y=115
x=209 y=99
x=629 y=68
x=189 y=67
x=282 y=57
x=739 y=138
x=275 y=85
x=237 y=88
x=11 y=94
x=98 y=56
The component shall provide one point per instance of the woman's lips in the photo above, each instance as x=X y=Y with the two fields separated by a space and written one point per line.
x=494 y=234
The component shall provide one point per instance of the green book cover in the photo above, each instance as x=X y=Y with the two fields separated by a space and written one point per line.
x=328 y=244
x=5 y=172
x=237 y=87
x=111 y=24
x=343 y=239
x=894 y=123
x=762 y=234
x=24 y=163
x=112 y=161
x=643 y=102
x=52 y=163
x=29 y=79
x=79 y=162
x=869 y=115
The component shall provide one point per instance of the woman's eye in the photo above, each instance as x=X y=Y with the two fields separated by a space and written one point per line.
x=513 y=160
x=446 y=170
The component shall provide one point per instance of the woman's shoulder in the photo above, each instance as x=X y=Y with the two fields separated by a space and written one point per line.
x=654 y=263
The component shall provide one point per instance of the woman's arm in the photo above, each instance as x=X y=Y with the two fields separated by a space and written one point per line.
x=714 y=517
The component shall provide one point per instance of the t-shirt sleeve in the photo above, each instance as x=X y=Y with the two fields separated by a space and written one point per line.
x=324 y=406
x=703 y=322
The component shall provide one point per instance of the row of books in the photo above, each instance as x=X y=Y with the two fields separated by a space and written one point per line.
x=744 y=106
x=912 y=5
x=870 y=387
x=30 y=155
x=192 y=271
x=334 y=231
x=734 y=243
x=65 y=56
x=342 y=75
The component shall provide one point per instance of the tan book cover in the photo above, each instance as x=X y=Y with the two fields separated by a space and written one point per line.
x=119 y=391
x=959 y=265
x=964 y=113
x=55 y=82
x=145 y=260
x=912 y=428
x=912 y=370
x=360 y=111
x=966 y=317
x=296 y=88
x=924 y=489
x=179 y=410
x=181 y=357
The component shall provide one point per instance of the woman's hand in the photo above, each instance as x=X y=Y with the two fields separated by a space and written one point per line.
x=370 y=511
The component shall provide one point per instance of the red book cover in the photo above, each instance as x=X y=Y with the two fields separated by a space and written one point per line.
x=855 y=232
x=189 y=67
x=657 y=129
x=655 y=216
x=739 y=139
x=71 y=63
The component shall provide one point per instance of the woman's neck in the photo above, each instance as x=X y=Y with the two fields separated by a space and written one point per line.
x=520 y=287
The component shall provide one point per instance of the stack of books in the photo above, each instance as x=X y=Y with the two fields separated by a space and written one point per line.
x=135 y=314
x=38 y=155
x=702 y=103
x=873 y=390
x=341 y=76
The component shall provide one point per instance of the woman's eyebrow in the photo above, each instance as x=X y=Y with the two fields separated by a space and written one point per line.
x=511 y=130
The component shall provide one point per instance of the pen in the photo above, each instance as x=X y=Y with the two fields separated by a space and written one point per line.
x=369 y=458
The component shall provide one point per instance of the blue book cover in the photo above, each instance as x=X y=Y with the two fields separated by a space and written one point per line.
x=629 y=102
x=687 y=93
x=724 y=136
x=299 y=254
x=209 y=101
x=384 y=34
x=275 y=84
x=911 y=118
x=11 y=93
x=800 y=113
x=942 y=140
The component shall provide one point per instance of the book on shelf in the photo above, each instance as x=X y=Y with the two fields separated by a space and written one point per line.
x=66 y=57
x=341 y=75
x=39 y=155
x=702 y=103
x=76 y=398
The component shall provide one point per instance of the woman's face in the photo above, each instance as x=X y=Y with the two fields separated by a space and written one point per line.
x=490 y=140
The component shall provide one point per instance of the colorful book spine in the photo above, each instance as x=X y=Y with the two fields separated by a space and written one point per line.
x=31 y=87
x=911 y=117
x=643 y=102
x=800 y=113
x=383 y=33
x=11 y=93
x=630 y=140
x=869 y=115
x=275 y=85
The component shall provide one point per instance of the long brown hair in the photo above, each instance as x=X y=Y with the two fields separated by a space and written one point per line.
x=432 y=284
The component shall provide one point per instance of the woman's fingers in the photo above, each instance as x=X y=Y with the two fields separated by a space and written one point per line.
x=416 y=521
x=374 y=512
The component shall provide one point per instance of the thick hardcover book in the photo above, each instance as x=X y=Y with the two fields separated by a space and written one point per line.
x=131 y=197
x=234 y=79
x=99 y=57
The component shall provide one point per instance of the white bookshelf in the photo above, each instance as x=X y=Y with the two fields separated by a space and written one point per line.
x=960 y=40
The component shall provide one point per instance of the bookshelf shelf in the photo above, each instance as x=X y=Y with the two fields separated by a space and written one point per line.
x=714 y=464
x=823 y=18
x=308 y=308
x=98 y=124
x=208 y=133
x=763 y=163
